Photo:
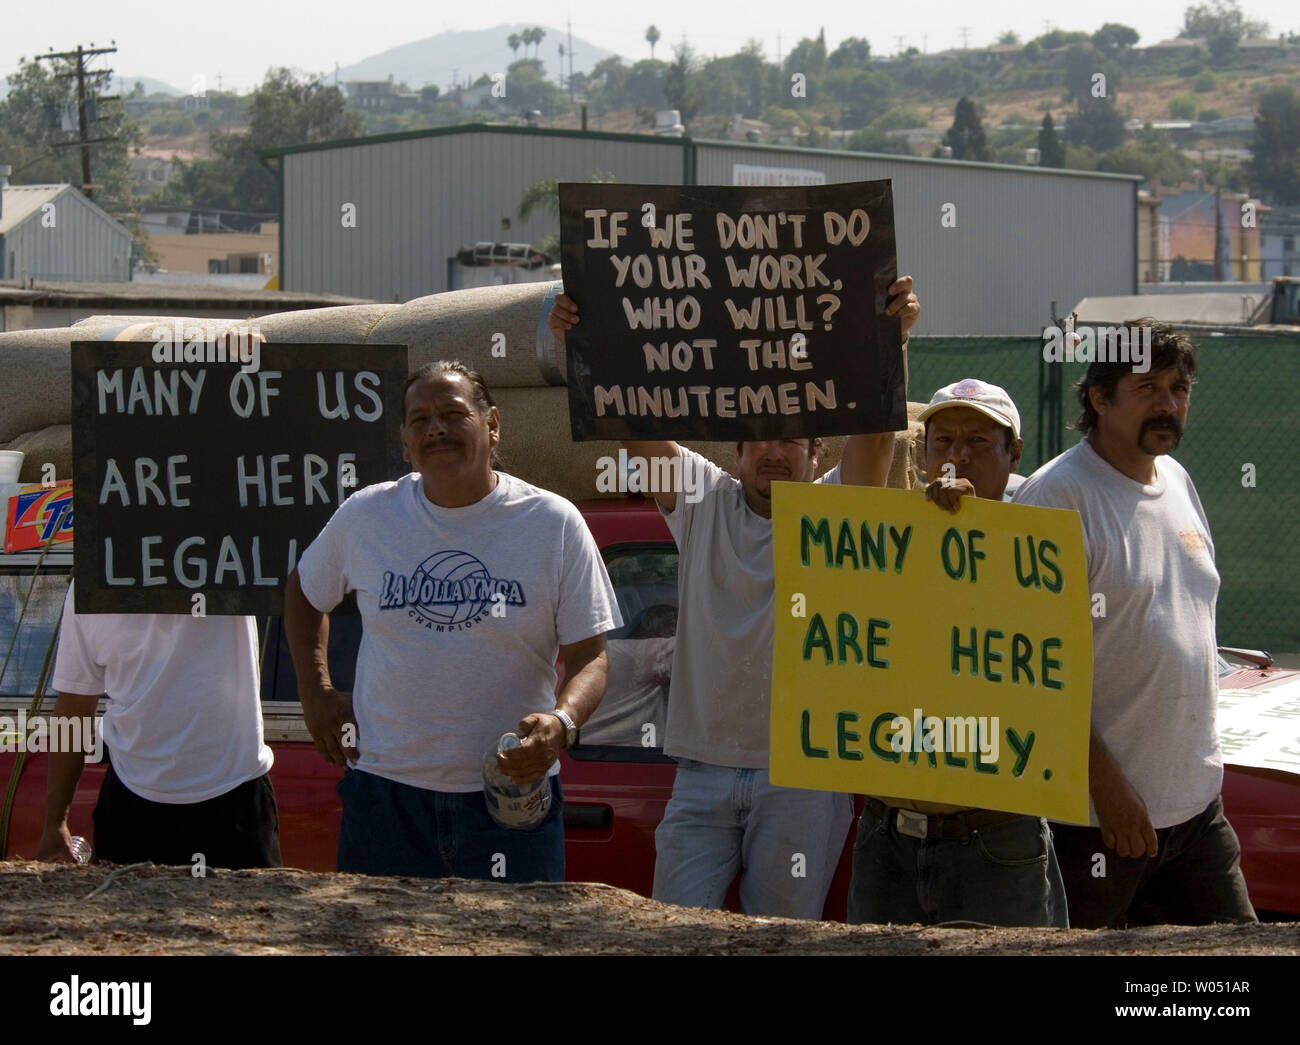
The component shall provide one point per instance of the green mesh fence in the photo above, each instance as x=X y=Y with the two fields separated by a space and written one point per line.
x=1243 y=412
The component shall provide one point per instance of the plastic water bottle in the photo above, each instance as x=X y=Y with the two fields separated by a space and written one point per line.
x=510 y=803
x=80 y=849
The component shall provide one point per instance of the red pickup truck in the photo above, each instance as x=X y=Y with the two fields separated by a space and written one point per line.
x=616 y=782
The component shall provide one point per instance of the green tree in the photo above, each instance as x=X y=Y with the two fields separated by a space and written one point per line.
x=1183 y=107
x=1222 y=25
x=1113 y=38
x=1159 y=162
x=1008 y=39
x=514 y=41
x=283 y=110
x=966 y=136
x=652 y=38
x=680 y=83
x=1051 y=153
x=1096 y=124
x=543 y=198
x=33 y=143
x=853 y=53
x=873 y=140
x=1275 y=165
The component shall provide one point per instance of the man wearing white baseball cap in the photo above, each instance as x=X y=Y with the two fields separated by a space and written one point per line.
x=929 y=862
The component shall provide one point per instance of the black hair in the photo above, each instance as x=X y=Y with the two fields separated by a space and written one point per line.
x=480 y=394
x=1169 y=348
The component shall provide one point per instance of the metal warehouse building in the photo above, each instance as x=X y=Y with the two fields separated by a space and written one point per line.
x=991 y=246
x=53 y=232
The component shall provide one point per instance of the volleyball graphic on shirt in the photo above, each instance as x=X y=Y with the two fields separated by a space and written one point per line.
x=450 y=588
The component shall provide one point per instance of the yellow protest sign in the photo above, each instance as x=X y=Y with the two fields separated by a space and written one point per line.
x=925 y=655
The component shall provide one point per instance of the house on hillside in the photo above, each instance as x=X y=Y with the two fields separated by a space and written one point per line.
x=53 y=232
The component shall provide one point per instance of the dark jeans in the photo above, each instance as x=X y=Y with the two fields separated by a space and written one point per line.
x=240 y=828
x=1005 y=875
x=396 y=829
x=1194 y=878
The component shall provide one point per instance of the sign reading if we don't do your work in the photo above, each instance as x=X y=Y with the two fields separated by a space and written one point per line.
x=924 y=655
x=731 y=313
x=209 y=479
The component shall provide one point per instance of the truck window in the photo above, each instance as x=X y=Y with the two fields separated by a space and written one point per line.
x=38 y=626
x=635 y=705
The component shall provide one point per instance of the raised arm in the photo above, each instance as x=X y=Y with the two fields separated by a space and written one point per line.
x=866 y=458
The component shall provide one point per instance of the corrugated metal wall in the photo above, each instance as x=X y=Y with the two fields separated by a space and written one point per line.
x=83 y=244
x=1023 y=237
x=418 y=201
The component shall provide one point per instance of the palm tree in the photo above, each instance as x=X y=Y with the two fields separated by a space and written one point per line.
x=652 y=38
x=538 y=33
x=514 y=41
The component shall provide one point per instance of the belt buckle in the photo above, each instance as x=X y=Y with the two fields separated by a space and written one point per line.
x=910 y=823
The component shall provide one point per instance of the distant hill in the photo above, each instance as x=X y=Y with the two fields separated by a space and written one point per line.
x=124 y=85
x=121 y=85
x=436 y=59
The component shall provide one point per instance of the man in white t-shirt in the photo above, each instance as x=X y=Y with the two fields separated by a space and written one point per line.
x=469 y=583
x=725 y=816
x=1159 y=849
x=188 y=770
x=932 y=862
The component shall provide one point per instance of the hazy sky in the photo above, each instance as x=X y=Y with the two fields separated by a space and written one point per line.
x=240 y=39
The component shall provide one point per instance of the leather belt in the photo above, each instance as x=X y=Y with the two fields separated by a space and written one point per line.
x=937 y=826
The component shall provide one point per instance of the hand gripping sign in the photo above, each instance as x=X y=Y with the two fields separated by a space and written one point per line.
x=924 y=655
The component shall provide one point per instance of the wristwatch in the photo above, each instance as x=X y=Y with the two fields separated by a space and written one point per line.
x=570 y=729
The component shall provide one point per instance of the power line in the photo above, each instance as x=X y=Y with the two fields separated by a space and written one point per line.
x=82 y=55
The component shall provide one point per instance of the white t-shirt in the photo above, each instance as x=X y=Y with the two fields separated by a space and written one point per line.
x=720 y=696
x=463 y=612
x=1155 y=670
x=183 y=721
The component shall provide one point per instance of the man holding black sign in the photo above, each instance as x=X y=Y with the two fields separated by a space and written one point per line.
x=188 y=771
x=725 y=816
x=469 y=582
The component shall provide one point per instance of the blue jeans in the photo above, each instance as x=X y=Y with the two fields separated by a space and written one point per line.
x=1005 y=874
x=721 y=820
x=396 y=829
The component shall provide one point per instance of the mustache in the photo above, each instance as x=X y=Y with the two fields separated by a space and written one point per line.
x=1166 y=422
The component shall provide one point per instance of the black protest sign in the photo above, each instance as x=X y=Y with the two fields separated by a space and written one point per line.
x=211 y=478
x=731 y=313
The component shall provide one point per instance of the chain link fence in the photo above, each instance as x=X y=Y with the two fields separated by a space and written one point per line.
x=1240 y=448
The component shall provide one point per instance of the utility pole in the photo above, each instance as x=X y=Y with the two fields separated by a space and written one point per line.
x=82 y=55
x=569 y=25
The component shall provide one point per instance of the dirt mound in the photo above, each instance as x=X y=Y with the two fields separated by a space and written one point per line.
x=143 y=909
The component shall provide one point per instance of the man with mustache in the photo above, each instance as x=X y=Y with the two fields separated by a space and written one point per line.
x=725 y=816
x=1158 y=849
x=469 y=582
x=931 y=862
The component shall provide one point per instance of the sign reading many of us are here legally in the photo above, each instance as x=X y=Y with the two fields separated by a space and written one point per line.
x=931 y=656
